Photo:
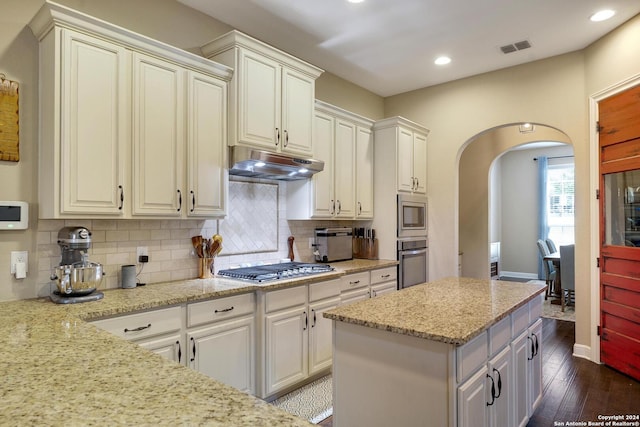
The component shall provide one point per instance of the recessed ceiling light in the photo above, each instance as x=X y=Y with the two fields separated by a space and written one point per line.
x=602 y=15
x=442 y=60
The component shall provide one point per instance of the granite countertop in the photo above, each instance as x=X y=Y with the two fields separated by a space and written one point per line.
x=452 y=310
x=59 y=370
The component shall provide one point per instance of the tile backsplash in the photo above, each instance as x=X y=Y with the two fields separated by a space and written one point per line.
x=171 y=255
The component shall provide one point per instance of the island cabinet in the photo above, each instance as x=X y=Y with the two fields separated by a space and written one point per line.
x=271 y=96
x=296 y=338
x=395 y=366
x=123 y=120
x=344 y=189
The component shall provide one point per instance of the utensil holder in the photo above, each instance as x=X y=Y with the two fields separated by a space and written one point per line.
x=205 y=268
x=365 y=248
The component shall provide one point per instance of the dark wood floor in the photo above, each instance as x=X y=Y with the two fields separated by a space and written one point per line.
x=575 y=389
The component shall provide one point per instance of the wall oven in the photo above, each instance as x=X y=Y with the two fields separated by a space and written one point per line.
x=412 y=216
x=413 y=255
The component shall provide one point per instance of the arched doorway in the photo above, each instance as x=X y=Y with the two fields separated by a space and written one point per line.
x=475 y=160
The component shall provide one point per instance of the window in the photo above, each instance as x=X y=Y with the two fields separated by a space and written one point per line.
x=561 y=206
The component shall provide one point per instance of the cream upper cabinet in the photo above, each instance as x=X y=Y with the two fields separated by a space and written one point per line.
x=271 y=95
x=206 y=145
x=84 y=134
x=344 y=189
x=402 y=146
x=158 y=137
x=119 y=115
x=364 y=173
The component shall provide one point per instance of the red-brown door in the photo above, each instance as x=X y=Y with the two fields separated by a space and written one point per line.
x=620 y=231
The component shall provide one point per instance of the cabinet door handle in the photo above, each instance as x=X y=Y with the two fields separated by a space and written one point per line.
x=277 y=136
x=359 y=208
x=286 y=138
x=193 y=201
x=537 y=346
x=417 y=183
x=306 y=321
x=314 y=318
x=121 y=197
x=533 y=348
x=138 y=329
x=493 y=391
x=332 y=208
x=224 y=310
x=179 y=351
x=339 y=207
x=499 y=382
x=179 y=200
x=373 y=293
x=193 y=349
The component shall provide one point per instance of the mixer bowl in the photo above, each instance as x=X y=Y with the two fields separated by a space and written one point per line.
x=78 y=279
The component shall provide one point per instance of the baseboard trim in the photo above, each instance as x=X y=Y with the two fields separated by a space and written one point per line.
x=582 y=351
x=518 y=275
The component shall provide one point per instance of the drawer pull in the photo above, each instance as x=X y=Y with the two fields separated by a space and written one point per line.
x=141 y=328
x=354 y=283
x=224 y=310
x=385 y=276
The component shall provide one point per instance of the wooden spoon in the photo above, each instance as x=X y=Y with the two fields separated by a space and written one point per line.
x=197 y=245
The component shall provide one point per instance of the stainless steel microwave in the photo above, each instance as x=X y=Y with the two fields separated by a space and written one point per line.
x=412 y=215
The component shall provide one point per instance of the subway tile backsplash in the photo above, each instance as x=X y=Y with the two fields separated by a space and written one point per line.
x=171 y=255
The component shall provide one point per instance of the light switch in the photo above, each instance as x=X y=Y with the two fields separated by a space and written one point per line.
x=19 y=257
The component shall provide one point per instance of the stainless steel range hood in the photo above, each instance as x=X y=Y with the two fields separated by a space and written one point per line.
x=256 y=163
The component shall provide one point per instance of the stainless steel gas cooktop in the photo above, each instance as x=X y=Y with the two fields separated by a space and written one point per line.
x=265 y=273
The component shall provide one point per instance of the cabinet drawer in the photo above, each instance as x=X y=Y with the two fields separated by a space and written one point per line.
x=520 y=320
x=471 y=356
x=143 y=325
x=354 y=281
x=535 y=309
x=499 y=335
x=384 y=275
x=285 y=298
x=356 y=295
x=224 y=308
x=322 y=290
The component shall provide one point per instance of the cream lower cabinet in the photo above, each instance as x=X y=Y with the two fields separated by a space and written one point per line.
x=296 y=338
x=370 y=284
x=221 y=340
x=159 y=331
x=528 y=366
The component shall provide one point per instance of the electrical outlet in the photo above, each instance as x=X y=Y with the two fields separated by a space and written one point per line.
x=141 y=251
x=18 y=256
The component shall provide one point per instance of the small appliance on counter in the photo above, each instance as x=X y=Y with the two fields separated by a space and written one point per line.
x=76 y=277
x=333 y=244
x=269 y=272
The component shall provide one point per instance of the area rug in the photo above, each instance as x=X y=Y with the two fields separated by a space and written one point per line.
x=312 y=402
x=554 y=311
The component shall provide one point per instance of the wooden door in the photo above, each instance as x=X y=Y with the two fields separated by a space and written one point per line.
x=619 y=143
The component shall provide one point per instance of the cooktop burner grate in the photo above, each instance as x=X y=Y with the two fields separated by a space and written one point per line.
x=264 y=273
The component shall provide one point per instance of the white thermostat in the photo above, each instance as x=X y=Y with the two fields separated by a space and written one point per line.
x=14 y=215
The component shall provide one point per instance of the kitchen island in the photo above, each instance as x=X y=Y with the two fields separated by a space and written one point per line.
x=59 y=370
x=453 y=352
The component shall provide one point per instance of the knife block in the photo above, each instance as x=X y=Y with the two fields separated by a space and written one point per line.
x=364 y=248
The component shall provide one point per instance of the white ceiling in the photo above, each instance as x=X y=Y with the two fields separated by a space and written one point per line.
x=388 y=46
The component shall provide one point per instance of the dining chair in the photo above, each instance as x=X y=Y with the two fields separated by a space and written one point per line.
x=567 y=275
x=550 y=272
x=551 y=246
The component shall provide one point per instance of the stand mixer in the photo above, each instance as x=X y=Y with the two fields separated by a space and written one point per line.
x=76 y=277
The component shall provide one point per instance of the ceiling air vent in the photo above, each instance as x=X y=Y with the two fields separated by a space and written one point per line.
x=515 y=46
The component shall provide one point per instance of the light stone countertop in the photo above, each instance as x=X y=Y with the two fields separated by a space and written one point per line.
x=59 y=370
x=451 y=310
